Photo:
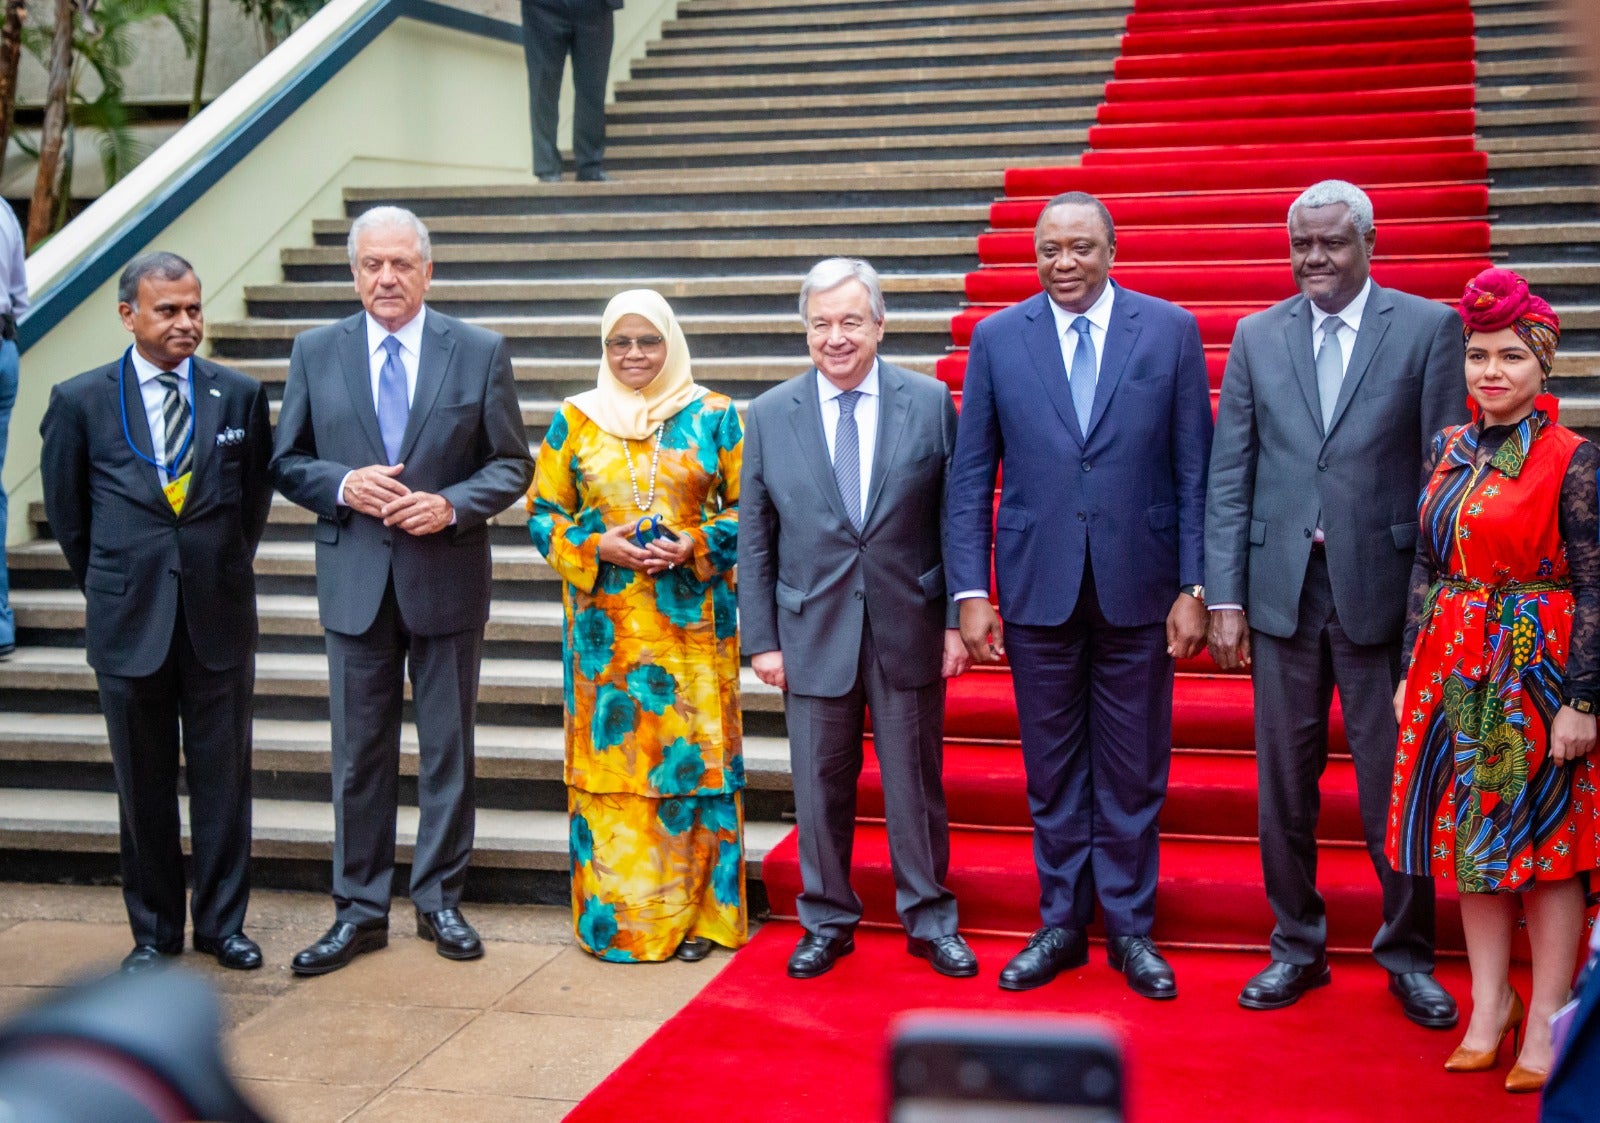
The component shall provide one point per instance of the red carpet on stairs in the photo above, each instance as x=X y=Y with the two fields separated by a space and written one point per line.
x=1217 y=117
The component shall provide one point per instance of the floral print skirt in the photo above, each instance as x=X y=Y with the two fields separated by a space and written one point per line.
x=649 y=873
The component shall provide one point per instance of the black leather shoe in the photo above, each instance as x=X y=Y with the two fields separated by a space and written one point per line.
x=450 y=932
x=1149 y=976
x=948 y=955
x=596 y=176
x=1282 y=984
x=145 y=957
x=815 y=955
x=693 y=949
x=1424 y=1000
x=339 y=945
x=549 y=177
x=237 y=952
x=1050 y=951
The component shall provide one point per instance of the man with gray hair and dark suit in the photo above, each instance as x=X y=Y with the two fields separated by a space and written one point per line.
x=1328 y=402
x=842 y=606
x=401 y=430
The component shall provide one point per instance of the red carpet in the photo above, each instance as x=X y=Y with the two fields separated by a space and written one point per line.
x=1219 y=115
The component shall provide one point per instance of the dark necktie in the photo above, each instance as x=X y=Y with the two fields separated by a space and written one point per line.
x=847 y=456
x=1082 y=375
x=394 y=406
x=175 y=417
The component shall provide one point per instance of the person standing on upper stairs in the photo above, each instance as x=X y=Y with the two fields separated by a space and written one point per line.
x=551 y=31
x=401 y=430
x=1099 y=570
x=13 y=303
x=1329 y=400
x=156 y=485
x=842 y=606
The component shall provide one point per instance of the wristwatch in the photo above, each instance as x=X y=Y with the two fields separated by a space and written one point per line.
x=1582 y=705
x=1198 y=592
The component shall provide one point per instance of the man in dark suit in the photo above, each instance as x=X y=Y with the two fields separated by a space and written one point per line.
x=1094 y=400
x=400 y=428
x=842 y=606
x=552 y=30
x=1328 y=401
x=156 y=486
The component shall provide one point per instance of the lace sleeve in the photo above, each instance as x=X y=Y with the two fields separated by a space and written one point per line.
x=1423 y=569
x=1580 y=530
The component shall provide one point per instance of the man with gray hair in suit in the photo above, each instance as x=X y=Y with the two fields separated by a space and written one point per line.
x=842 y=606
x=1328 y=403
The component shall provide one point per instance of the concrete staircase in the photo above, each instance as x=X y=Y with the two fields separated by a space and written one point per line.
x=755 y=137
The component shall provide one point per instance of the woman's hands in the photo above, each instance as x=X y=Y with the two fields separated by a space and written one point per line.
x=618 y=548
x=1571 y=735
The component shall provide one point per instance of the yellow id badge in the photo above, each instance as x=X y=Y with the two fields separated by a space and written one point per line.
x=178 y=492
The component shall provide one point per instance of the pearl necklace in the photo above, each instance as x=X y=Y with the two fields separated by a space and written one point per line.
x=649 y=500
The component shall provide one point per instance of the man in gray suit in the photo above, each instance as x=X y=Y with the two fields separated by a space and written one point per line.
x=842 y=606
x=1328 y=403
x=400 y=428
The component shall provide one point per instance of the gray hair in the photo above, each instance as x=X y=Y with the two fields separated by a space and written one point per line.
x=160 y=264
x=1333 y=191
x=383 y=217
x=831 y=272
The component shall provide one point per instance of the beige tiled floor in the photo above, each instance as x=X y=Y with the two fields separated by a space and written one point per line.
x=400 y=1034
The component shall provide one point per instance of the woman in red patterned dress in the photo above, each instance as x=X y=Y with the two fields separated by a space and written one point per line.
x=1494 y=782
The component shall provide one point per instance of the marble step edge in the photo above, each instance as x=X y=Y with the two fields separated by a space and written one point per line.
x=912 y=320
x=714 y=44
x=579 y=288
x=763 y=371
x=618 y=223
x=501 y=752
x=909 y=175
x=503 y=681
x=86 y=822
x=952 y=18
x=710 y=87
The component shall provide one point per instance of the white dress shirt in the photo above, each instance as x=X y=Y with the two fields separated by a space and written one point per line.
x=1099 y=314
x=410 y=337
x=154 y=396
x=866 y=414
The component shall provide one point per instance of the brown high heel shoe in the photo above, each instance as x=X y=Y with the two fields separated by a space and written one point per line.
x=1521 y=1079
x=1467 y=1060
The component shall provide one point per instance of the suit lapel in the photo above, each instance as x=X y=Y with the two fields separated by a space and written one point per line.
x=894 y=407
x=805 y=415
x=1297 y=342
x=207 y=413
x=356 y=363
x=1039 y=337
x=1121 y=334
x=438 y=344
x=1374 y=325
x=138 y=429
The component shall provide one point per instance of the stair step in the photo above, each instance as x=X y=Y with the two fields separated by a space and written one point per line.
x=86 y=822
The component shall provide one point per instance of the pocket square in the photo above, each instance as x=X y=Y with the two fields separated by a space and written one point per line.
x=229 y=437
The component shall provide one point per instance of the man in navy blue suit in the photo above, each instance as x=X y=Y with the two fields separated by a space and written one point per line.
x=1094 y=400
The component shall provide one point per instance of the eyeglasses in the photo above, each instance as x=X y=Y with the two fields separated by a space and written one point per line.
x=622 y=344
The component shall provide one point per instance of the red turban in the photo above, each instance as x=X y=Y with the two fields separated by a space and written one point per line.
x=1498 y=298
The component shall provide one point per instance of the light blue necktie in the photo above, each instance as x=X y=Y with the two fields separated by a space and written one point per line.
x=394 y=407
x=1082 y=374
x=1330 y=369
x=847 y=456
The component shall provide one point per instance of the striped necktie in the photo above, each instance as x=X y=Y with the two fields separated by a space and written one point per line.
x=175 y=423
x=847 y=456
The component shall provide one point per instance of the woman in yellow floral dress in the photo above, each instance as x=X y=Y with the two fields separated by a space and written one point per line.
x=650 y=646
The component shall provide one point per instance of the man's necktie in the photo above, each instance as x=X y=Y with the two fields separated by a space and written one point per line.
x=394 y=407
x=1330 y=369
x=175 y=417
x=1082 y=375
x=847 y=456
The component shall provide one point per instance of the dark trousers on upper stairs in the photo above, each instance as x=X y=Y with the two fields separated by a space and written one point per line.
x=552 y=30
x=144 y=719
x=1294 y=681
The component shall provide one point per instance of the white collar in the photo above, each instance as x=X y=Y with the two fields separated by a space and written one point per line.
x=1350 y=313
x=147 y=371
x=1099 y=312
x=869 y=384
x=409 y=333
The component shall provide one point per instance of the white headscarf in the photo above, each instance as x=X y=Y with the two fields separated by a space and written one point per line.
x=634 y=414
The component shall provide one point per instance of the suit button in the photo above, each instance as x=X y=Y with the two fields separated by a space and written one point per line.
x=1308 y=533
x=1322 y=465
x=858 y=594
x=385 y=541
x=1082 y=517
x=1085 y=465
